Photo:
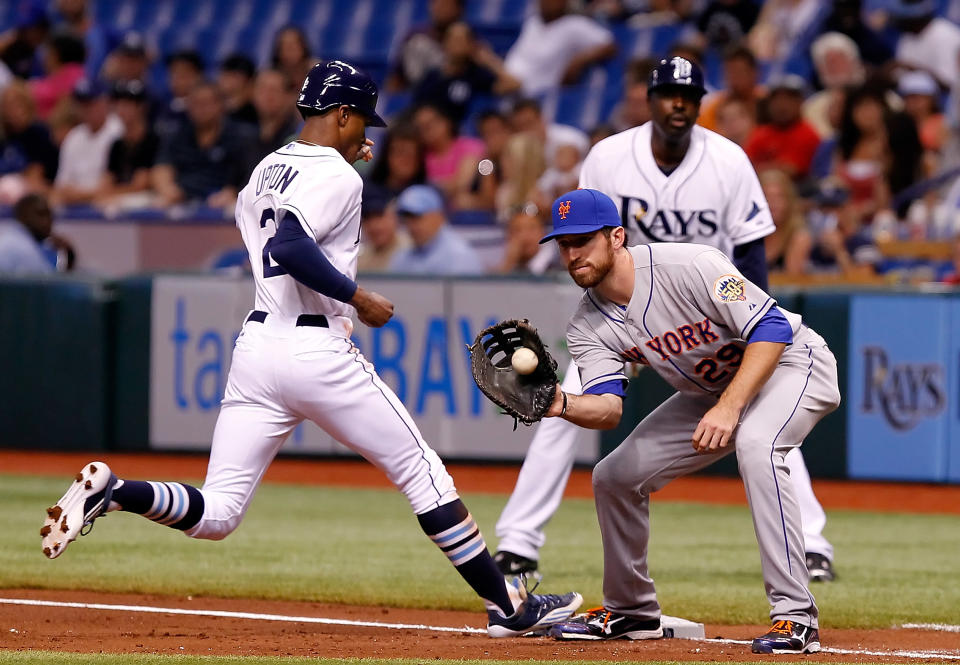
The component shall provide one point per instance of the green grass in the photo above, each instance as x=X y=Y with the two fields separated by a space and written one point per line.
x=364 y=547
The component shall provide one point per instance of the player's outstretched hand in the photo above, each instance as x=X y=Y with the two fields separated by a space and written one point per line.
x=715 y=428
x=372 y=308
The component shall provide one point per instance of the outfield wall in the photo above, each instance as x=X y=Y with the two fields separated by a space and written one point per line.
x=141 y=363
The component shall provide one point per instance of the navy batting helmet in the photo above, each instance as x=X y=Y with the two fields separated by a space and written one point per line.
x=676 y=72
x=338 y=83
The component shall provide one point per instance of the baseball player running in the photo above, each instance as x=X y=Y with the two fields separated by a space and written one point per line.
x=673 y=182
x=750 y=378
x=299 y=216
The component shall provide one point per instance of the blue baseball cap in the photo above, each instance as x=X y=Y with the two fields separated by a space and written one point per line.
x=86 y=89
x=418 y=200
x=582 y=211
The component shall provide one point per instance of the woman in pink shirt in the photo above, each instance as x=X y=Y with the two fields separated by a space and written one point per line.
x=65 y=56
x=446 y=151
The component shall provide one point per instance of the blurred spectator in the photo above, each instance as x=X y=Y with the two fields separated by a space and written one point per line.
x=601 y=132
x=953 y=277
x=735 y=121
x=277 y=117
x=563 y=174
x=788 y=247
x=847 y=18
x=128 y=61
x=920 y=101
x=877 y=153
x=291 y=55
x=446 y=151
x=522 y=251
x=740 y=80
x=556 y=47
x=927 y=42
x=20 y=45
x=836 y=60
x=86 y=148
x=787 y=141
x=527 y=117
x=400 y=165
x=184 y=73
x=235 y=81
x=65 y=117
x=522 y=164
x=779 y=27
x=633 y=109
x=841 y=242
x=126 y=182
x=469 y=68
x=27 y=246
x=26 y=151
x=727 y=22
x=381 y=236
x=477 y=184
x=208 y=159
x=437 y=248
x=64 y=66
x=71 y=16
x=422 y=48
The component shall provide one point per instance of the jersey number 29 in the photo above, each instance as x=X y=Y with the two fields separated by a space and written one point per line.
x=270 y=215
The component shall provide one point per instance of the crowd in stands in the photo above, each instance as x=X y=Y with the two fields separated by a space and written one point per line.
x=849 y=111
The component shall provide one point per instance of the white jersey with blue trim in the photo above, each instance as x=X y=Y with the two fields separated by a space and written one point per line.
x=317 y=186
x=713 y=197
x=689 y=317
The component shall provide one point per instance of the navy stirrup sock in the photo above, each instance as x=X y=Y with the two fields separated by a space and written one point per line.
x=453 y=529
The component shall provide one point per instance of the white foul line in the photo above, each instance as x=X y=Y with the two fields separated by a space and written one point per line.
x=408 y=626
x=239 y=615
x=942 y=627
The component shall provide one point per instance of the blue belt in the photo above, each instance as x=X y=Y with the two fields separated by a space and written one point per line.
x=311 y=320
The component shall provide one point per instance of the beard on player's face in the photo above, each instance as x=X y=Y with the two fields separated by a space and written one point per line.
x=588 y=271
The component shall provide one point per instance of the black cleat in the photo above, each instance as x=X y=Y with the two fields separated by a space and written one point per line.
x=788 y=637
x=820 y=568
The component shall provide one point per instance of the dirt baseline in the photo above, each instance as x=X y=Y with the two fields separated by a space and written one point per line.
x=93 y=631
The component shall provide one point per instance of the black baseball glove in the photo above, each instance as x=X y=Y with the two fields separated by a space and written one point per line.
x=526 y=397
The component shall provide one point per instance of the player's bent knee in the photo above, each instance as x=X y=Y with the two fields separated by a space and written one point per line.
x=611 y=477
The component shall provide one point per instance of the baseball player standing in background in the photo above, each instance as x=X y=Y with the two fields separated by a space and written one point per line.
x=299 y=216
x=673 y=181
x=750 y=378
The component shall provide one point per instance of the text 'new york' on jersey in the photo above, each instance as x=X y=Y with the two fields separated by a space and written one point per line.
x=322 y=191
x=713 y=197
x=689 y=317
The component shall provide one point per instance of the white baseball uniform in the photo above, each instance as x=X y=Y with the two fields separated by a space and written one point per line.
x=689 y=318
x=284 y=372
x=712 y=198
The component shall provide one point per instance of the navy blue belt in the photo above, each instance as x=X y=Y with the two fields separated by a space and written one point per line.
x=310 y=320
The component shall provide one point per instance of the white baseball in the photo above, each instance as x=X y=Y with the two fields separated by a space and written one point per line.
x=524 y=360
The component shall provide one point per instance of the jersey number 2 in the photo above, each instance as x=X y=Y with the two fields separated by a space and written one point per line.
x=270 y=215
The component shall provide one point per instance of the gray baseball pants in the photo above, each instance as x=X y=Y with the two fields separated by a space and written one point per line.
x=801 y=391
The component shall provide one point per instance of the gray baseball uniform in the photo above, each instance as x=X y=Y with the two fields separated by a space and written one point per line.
x=688 y=319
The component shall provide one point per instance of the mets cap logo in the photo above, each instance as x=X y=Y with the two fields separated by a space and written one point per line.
x=563 y=209
x=729 y=288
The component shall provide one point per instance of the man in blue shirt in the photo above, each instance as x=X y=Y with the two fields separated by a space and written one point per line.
x=21 y=249
x=437 y=249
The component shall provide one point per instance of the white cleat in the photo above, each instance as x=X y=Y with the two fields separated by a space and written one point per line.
x=87 y=499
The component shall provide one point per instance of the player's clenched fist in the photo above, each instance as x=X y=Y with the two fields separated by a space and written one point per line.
x=715 y=428
x=372 y=308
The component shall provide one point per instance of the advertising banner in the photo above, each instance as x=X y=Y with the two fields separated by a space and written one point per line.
x=421 y=354
x=898 y=401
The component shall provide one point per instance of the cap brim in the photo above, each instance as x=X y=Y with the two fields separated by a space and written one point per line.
x=374 y=120
x=572 y=230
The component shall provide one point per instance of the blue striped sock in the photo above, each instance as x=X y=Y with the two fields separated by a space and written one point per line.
x=452 y=528
x=175 y=505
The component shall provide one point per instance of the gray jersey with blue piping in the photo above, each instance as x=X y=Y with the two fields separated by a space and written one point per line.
x=689 y=318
